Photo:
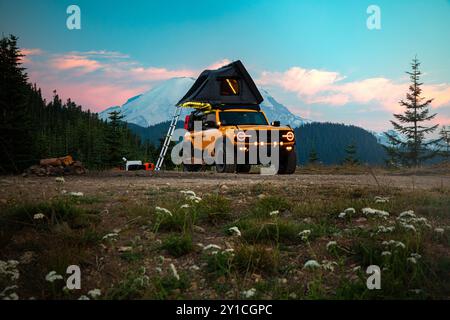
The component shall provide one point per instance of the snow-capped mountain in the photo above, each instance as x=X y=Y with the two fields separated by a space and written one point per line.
x=383 y=139
x=157 y=105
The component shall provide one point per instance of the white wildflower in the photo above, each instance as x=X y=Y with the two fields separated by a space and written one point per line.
x=412 y=260
x=9 y=268
x=194 y=199
x=342 y=215
x=386 y=253
x=76 y=194
x=188 y=193
x=379 y=199
x=311 y=264
x=305 y=234
x=407 y=214
x=416 y=256
x=211 y=246
x=125 y=249
x=350 y=210
x=357 y=268
x=95 y=293
x=185 y=206
x=409 y=227
x=249 y=293
x=235 y=230
x=174 y=271
x=52 y=276
x=400 y=244
x=328 y=265
x=60 y=179
x=331 y=244
x=274 y=213
x=375 y=212
x=439 y=230
x=194 y=267
x=111 y=236
x=83 y=297
x=38 y=216
x=160 y=210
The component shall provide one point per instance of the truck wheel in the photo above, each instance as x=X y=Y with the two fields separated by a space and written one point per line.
x=243 y=168
x=288 y=163
x=225 y=168
x=192 y=167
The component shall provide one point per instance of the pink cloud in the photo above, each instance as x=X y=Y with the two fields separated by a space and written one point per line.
x=218 y=64
x=318 y=86
x=66 y=62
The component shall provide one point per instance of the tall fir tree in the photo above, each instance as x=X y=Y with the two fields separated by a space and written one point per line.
x=351 y=158
x=313 y=158
x=115 y=139
x=444 y=143
x=412 y=148
x=16 y=150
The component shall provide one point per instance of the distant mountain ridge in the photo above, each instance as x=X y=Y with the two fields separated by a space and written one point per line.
x=157 y=105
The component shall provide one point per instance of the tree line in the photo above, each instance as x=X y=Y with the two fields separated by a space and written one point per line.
x=32 y=128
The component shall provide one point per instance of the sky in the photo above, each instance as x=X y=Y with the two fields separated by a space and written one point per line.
x=319 y=58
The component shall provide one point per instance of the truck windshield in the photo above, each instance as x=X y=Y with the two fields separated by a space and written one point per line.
x=231 y=118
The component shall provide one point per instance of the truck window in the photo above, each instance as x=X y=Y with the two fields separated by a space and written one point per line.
x=230 y=118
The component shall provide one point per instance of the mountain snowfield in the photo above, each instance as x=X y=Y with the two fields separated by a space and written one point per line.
x=158 y=104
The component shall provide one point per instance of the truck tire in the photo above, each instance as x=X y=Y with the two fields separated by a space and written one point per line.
x=224 y=167
x=288 y=163
x=192 y=167
x=243 y=168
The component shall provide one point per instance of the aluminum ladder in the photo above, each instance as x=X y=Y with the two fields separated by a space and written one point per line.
x=169 y=134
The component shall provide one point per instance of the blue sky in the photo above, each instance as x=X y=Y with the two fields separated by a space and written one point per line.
x=316 y=57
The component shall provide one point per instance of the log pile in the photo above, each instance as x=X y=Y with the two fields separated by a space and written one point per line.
x=57 y=167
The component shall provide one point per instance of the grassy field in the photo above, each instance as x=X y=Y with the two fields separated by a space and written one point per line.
x=222 y=240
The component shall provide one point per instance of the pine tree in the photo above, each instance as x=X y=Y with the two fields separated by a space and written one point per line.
x=351 y=159
x=444 y=143
x=16 y=150
x=114 y=139
x=413 y=149
x=313 y=158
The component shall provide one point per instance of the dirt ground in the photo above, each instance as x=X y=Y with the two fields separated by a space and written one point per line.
x=94 y=183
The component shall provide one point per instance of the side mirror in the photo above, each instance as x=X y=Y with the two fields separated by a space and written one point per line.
x=276 y=123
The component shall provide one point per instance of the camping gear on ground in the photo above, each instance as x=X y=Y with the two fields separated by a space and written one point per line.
x=133 y=165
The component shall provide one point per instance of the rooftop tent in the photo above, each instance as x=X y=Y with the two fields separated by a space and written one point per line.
x=228 y=85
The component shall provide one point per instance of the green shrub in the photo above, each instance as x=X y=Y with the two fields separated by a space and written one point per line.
x=178 y=246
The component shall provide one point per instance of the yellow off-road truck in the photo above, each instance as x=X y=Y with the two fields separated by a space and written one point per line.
x=227 y=119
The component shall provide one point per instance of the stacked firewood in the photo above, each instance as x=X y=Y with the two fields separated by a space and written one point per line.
x=57 y=167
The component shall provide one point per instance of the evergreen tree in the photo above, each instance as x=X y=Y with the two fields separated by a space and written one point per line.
x=115 y=139
x=16 y=150
x=444 y=143
x=392 y=152
x=313 y=158
x=413 y=149
x=351 y=159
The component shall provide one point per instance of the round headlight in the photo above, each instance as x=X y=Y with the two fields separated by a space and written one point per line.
x=290 y=136
x=240 y=136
